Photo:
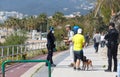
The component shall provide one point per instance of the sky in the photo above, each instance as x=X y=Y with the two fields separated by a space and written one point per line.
x=35 y=7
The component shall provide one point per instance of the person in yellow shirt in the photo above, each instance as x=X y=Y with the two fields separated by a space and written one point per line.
x=78 y=44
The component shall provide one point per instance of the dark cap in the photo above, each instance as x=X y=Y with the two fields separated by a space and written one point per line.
x=112 y=24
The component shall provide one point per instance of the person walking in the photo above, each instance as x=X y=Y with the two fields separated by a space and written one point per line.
x=78 y=44
x=96 y=39
x=102 y=40
x=87 y=38
x=50 y=46
x=112 y=45
x=70 y=35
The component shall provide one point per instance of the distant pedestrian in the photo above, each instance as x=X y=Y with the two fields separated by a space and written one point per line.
x=102 y=40
x=78 y=43
x=50 y=46
x=69 y=41
x=96 y=39
x=87 y=39
x=112 y=45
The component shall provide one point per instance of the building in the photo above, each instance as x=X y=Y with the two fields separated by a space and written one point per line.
x=5 y=14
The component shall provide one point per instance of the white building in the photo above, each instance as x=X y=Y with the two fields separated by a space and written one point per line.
x=4 y=15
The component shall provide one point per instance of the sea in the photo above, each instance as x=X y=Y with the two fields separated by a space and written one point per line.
x=36 y=7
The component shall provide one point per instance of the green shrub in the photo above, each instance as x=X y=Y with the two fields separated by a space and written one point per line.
x=62 y=48
x=44 y=51
x=15 y=39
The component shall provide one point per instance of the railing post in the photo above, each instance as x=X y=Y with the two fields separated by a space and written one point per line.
x=21 y=51
x=3 y=69
x=17 y=52
x=8 y=52
x=2 y=54
x=32 y=49
x=34 y=46
x=25 y=61
x=25 y=49
x=49 y=68
x=40 y=45
x=12 y=52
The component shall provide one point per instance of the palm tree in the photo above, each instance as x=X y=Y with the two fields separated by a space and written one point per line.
x=30 y=23
x=58 y=18
x=107 y=8
x=22 y=23
x=42 y=22
x=98 y=6
x=13 y=23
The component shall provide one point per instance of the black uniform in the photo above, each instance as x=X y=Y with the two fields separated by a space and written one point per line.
x=112 y=38
x=50 y=46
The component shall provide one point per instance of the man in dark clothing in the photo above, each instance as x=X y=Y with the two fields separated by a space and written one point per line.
x=50 y=46
x=112 y=44
x=87 y=38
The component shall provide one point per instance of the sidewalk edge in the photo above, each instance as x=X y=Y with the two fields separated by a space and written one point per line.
x=35 y=68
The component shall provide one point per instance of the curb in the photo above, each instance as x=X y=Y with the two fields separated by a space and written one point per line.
x=35 y=68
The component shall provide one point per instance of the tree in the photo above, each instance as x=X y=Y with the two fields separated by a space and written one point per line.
x=42 y=22
x=15 y=39
x=58 y=18
x=13 y=23
x=30 y=23
x=107 y=8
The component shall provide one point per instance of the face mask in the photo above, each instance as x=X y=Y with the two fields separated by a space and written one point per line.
x=52 y=31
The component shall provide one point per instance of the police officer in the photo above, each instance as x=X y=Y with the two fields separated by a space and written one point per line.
x=50 y=46
x=112 y=44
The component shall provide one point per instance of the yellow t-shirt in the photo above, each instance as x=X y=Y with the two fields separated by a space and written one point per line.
x=78 y=41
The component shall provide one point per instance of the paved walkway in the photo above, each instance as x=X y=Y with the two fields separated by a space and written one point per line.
x=62 y=69
x=99 y=61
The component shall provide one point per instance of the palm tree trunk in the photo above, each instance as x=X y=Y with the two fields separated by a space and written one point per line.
x=98 y=8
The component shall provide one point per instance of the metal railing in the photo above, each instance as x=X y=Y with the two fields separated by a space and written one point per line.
x=14 y=52
x=11 y=52
x=25 y=61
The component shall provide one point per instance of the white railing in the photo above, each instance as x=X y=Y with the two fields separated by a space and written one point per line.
x=14 y=50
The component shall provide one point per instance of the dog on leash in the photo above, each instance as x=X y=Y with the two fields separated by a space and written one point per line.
x=86 y=63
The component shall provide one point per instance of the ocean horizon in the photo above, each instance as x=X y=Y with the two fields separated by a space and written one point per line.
x=36 y=7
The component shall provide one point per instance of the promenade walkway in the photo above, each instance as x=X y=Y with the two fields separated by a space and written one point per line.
x=62 y=69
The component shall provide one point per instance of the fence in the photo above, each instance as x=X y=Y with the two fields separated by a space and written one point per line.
x=11 y=52
x=25 y=61
x=14 y=52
